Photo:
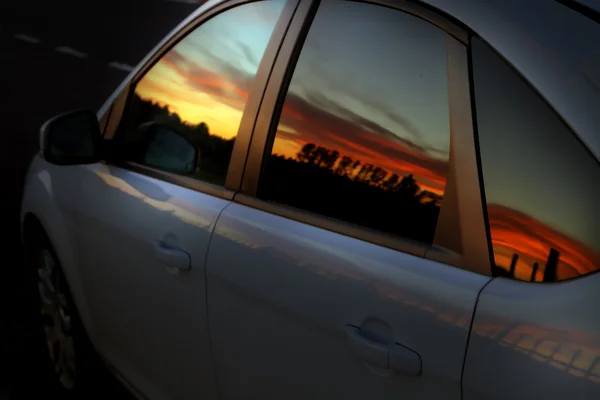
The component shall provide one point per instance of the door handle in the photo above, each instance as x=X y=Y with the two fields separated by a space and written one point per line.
x=390 y=356
x=172 y=257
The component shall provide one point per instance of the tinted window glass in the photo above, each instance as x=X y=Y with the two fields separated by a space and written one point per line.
x=540 y=182
x=364 y=132
x=199 y=89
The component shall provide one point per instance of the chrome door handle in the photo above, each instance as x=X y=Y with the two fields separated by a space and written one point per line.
x=391 y=356
x=172 y=257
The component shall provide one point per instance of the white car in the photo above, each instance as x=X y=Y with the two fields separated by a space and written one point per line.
x=332 y=200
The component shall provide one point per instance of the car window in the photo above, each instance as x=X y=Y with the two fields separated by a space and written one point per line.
x=541 y=183
x=363 y=135
x=184 y=113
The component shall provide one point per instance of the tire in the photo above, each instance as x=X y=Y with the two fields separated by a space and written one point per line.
x=69 y=364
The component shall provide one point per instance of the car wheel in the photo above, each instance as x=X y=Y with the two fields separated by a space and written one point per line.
x=71 y=361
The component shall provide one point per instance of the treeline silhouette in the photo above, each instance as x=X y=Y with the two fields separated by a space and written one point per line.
x=215 y=152
x=326 y=182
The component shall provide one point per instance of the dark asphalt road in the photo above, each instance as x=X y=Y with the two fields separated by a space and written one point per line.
x=37 y=81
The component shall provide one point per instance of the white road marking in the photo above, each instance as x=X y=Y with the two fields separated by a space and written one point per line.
x=187 y=1
x=119 y=66
x=26 y=38
x=71 y=52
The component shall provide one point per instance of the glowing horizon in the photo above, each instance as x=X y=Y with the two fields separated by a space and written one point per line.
x=513 y=232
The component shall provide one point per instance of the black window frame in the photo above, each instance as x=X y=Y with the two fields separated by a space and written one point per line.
x=462 y=202
x=119 y=107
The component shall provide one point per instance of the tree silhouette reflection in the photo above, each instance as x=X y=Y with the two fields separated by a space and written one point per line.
x=324 y=181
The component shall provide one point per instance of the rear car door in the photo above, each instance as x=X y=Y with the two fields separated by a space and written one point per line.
x=146 y=215
x=349 y=264
x=536 y=332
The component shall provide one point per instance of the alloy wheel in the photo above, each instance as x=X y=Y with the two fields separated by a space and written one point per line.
x=56 y=319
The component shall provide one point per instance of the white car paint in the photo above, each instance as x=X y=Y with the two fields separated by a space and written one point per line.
x=270 y=278
x=281 y=292
x=147 y=315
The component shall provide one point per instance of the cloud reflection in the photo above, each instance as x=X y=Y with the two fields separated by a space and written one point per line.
x=207 y=76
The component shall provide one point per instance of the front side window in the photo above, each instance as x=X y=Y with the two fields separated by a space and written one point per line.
x=184 y=114
x=541 y=184
x=364 y=131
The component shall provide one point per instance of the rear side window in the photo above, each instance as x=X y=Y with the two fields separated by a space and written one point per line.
x=541 y=184
x=364 y=130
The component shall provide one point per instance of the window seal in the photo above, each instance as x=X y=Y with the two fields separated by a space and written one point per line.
x=479 y=159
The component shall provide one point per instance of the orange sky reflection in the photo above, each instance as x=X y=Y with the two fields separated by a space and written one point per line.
x=515 y=232
x=302 y=122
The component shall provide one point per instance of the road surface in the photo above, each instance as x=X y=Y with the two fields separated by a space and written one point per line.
x=56 y=56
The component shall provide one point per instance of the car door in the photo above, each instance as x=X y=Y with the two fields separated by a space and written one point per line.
x=350 y=263
x=536 y=332
x=146 y=215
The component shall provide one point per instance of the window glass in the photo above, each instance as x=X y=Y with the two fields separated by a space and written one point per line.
x=364 y=133
x=196 y=93
x=541 y=184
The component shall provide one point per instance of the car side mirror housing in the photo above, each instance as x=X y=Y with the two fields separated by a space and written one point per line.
x=72 y=138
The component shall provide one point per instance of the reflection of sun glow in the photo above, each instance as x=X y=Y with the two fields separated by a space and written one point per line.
x=206 y=77
x=193 y=106
x=513 y=232
x=287 y=147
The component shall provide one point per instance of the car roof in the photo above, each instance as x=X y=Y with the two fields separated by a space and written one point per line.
x=564 y=68
x=592 y=4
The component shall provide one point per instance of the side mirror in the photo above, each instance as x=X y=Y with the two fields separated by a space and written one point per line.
x=168 y=149
x=71 y=138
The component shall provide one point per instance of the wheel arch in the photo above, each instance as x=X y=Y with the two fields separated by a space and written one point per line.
x=41 y=212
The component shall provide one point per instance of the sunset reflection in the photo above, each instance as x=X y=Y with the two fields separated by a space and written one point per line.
x=541 y=184
x=514 y=232
x=361 y=138
x=200 y=87
x=207 y=76
x=573 y=352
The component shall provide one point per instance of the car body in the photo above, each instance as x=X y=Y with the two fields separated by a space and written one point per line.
x=255 y=275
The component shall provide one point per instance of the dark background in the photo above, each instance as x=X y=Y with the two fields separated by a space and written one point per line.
x=37 y=82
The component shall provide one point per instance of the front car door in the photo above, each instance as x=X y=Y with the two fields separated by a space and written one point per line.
x=348 y=265
x=146 y=215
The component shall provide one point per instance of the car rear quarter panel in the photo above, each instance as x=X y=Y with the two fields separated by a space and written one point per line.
x=535 y=341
